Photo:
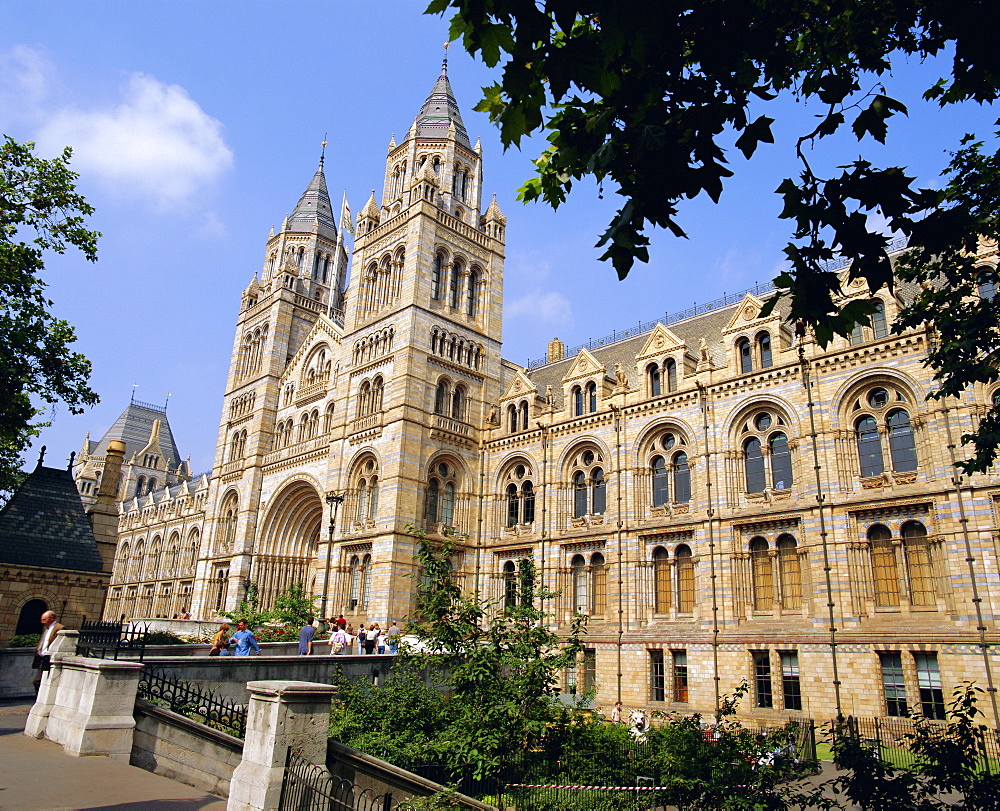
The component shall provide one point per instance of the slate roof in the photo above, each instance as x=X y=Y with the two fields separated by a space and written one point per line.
x=44 y=525
x=440 y=110
x=314 y=208
x=133 y=427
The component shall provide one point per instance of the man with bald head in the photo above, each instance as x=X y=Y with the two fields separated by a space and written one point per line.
x=41 y=661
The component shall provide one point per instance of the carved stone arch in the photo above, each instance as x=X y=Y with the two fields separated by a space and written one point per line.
x=294 y=518
x=509 y=462
x=745 y=408
x=577 y=446
x=651 y=432
x=843 y=400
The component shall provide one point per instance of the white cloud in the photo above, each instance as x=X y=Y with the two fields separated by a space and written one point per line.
x=158 y=144
x=549 y=309
x=26 y=76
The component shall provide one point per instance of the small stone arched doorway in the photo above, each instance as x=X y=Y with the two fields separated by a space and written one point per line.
x=29 y=621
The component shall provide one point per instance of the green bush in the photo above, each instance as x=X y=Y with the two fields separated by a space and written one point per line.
x=24 y=640
x=164 y=638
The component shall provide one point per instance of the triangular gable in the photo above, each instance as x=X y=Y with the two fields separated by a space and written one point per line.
x=323 y=330
x=519 y=386
x=748 y=311
x=660 y=342
x=584 y=365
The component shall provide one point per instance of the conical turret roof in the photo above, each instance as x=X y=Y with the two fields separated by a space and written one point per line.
x=134 y=427
x=314 y=208
x=440 y=111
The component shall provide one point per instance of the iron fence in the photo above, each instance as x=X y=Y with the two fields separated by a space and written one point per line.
x=182 y=697
x=307 y=787
x=890 y=739
x=107 y=639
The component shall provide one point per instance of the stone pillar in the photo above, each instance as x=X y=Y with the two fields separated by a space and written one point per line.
x=282 y=714
x=38 y=717
x=92 y=714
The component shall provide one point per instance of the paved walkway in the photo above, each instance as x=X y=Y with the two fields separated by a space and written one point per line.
x=39 y=776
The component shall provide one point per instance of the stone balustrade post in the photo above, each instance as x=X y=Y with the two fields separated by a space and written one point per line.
x=92 y=712
x=38 y=717
x=282 y=714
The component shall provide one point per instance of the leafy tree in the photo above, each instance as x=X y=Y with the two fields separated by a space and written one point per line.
x=249 y=609
x=40 y=211
x=650 y=97
x=498 y=667
x=292 y=606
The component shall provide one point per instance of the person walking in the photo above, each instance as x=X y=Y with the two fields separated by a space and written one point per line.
x=220 y=642
x=339 y=642
x=362 y=636
x=616 y=713
x=307 y=633
x=43 y=657
x=245 y=640
x=392 y=636
x=371 y=639
x=379 y=639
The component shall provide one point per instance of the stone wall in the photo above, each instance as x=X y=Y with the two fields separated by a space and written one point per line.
x=16 y=673
x=187 y=751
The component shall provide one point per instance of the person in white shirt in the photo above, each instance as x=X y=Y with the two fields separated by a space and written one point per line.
x=40 y=664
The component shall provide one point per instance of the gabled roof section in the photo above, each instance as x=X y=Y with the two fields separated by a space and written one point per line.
x=661 y=340
x=44 y=525
x=134 y=427
x=584 y=365
x=313 y=211
x=440 y=112
x=519 y=385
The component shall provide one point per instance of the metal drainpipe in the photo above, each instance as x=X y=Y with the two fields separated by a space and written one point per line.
x=703 y=397
x=820 y=499
x=479 y=519
x=543 y=498
x=970 y=560
x=618 y=541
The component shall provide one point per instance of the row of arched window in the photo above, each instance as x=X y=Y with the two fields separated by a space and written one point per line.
x=451 y=400
x=134 y=563
x=584 y=399
x=448 y=284
x=370 y=396
x=374 y=346
x=252 y=350
x=662 y=378
x=237 y=445
x=317 y=367
x=380 y=283
x=310 y=424
x=517 y=417
x=755 y=355
x=239 y=406
x=455 y=348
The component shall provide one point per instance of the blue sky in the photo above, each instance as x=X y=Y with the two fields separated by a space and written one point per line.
x=197 y=125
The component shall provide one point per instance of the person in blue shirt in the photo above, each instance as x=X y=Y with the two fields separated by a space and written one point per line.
x=244 y=639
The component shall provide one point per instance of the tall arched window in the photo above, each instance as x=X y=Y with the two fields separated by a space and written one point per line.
x=661 y=577
x=919 y=572
x=790 y=572
x=458 y=403
x=441 y=398
x=577 y=401
x=453 y=286
x=781 y=462
x=512 y=506
x=600 y=492
x=592 y=397
x=653 y=376
x=362 y=500
x=902 y=449
x=764 y=350
x=436 y=275
x=527 y=503
x=448 y=505
x=879 y=326
x=356 y=575
x=472 y=300
x=523 y=409
x=746 y=356
x=763 y=582
x=682 y=478
x=579 y=570
x=599 y=584
x=431 y=498
x=885 y=570
x=509 y=585
x=512 y=418
x=659 y=475
x=753 y=463
x=685 y=579
x=670 y=368
x=579 y=494
x=869 y=447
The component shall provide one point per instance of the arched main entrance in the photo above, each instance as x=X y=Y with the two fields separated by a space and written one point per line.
x=286 y=553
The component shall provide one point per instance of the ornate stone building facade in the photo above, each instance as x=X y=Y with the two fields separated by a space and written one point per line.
x=724 y=499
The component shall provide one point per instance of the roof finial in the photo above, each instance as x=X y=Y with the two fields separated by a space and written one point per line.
x=134 y=387
x=72 y=460
x=41 y=457
x=322 y=155
x=444 y=64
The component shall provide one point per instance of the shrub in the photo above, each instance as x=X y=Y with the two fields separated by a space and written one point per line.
x=24 y=640
x=164 y=638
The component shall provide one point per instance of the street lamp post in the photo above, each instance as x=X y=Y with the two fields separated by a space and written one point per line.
x=334 y=500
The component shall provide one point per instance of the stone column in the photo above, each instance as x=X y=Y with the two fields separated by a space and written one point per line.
x=38 y=717
x=92 y=713
x=282 y=714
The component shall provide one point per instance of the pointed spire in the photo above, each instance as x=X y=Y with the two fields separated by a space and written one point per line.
x=371 y=210
x=493 y=213
x=313 y=208
x=392 y=142
x=440 y=111
x=478 y=148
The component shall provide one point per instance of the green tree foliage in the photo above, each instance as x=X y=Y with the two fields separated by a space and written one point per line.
x=249 y=609
x=40 y=211
x=652 y=97
x=292 y=606
x=498 y=667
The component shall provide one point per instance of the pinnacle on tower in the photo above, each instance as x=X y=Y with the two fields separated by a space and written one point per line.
x=313 y=212
x=440 y=112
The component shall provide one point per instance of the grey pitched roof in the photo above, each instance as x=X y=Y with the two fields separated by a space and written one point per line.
x=314 y=208
x=441 y=110
x=44 y=525
x=134 y=427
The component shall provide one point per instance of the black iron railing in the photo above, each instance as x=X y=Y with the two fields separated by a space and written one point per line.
x=107 y=639
x=184 y=698
x=307 y=787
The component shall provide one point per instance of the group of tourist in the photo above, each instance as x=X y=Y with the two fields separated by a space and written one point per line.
x=370 y=640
